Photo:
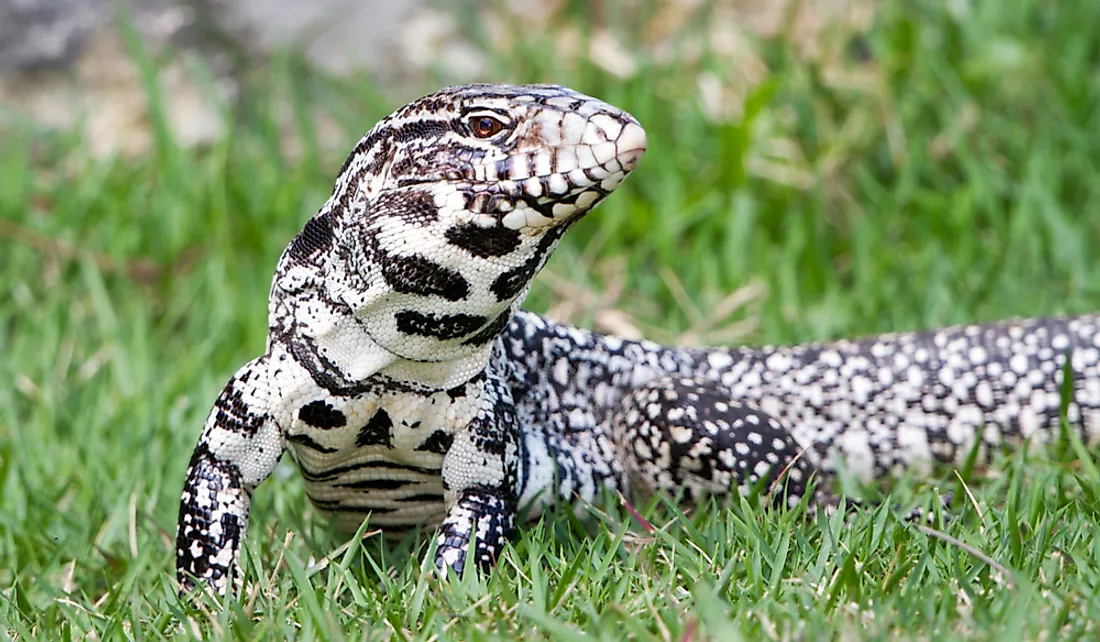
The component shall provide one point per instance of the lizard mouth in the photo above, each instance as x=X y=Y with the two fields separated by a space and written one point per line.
x=580 y=177
x=566 y=168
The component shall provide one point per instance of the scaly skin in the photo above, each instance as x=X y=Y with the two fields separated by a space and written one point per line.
x=408 y=388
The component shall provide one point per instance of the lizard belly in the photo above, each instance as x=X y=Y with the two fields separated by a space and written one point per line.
x=376 y=456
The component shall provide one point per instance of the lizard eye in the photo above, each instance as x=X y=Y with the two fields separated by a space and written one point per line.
x=483 y=126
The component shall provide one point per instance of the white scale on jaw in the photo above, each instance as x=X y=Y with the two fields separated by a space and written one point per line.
x=411 y=392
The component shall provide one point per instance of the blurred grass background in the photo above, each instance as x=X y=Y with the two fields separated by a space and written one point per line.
x=923 y=163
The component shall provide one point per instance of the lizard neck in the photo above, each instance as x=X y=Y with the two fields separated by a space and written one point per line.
x=329 y=337
x=331 y=326
x=428 y=316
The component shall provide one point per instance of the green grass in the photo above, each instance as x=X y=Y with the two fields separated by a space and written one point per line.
x=958 y=180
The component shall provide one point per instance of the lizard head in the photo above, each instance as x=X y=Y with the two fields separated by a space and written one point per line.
x=448 y=208
x=522 y=158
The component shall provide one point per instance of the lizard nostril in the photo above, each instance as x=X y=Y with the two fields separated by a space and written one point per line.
x=631 y=145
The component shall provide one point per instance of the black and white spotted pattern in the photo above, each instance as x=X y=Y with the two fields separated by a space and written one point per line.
x=410 y=390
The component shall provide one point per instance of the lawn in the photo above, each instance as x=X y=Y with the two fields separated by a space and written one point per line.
x=940 y=166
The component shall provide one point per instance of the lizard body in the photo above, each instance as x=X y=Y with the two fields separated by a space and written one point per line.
x=408 y=387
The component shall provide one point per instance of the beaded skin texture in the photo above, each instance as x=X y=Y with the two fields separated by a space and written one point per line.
x=408 y=387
